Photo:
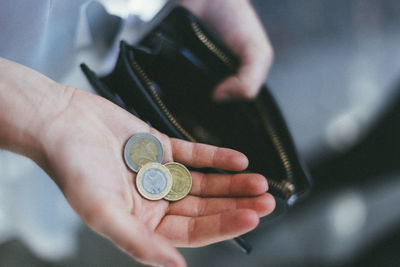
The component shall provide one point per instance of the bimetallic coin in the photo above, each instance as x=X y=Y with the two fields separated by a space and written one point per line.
x=182 y=181
x=154 y=181
x=141 y=149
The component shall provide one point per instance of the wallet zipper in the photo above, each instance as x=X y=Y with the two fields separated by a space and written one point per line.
x=211 y=45
x=286 y=187
x=152 y=90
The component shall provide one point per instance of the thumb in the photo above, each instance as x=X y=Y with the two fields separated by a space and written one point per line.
x=245 y=84
x=232 y=88
x=249 y=77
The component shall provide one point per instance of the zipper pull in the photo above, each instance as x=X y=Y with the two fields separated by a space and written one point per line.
x=286 y=188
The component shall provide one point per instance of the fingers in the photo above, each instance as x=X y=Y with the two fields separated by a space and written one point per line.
x=219 y=185
x=193 y=206
x=201 y=155
x=134 y=238
x=250 y=43
x=205 y=230
x=248 y=79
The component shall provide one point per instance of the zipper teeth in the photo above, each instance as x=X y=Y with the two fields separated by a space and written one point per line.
x=278 y=146
x=210 y=44
x=284 y=157
x=275 y=184
x=286 y=186
x=160 y=103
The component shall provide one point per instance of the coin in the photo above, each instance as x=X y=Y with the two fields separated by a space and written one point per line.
x=154 y=181
x=182 y=181
x=141 y=149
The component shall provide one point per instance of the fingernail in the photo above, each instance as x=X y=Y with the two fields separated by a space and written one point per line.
x=168 y=264
x=222 y=96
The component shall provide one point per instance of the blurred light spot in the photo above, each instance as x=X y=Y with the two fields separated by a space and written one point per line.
x=292 y=200
x=343 y=132
x=57 y=247
x=348 y=215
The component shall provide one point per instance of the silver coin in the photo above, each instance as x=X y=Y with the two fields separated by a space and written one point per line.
x=154 y=181
x=142 y=148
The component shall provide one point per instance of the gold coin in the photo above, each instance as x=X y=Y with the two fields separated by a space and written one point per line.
x=154 y=181
x=182 y=181
x=142 y=148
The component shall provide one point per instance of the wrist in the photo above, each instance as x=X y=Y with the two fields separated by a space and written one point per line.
x=29 y=101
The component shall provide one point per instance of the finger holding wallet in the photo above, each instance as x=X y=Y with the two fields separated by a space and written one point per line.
x=237 y=23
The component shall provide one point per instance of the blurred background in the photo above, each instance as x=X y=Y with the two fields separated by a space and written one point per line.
x=336 y=76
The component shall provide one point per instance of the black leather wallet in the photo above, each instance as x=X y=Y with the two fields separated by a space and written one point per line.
x=167 y=80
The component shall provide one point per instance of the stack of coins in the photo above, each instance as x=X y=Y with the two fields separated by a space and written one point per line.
x=143 y=154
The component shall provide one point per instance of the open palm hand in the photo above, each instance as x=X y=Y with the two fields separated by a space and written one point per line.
x=84 y=145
